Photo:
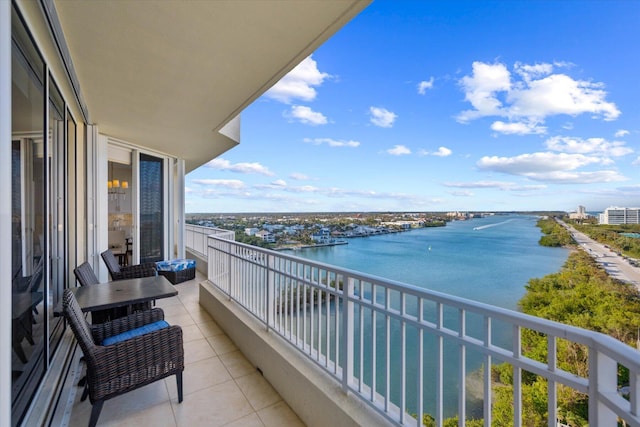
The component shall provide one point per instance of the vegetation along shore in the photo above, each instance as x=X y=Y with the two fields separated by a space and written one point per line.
x=580 y=294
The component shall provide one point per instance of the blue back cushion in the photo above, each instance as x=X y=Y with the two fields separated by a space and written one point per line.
x=155 y=326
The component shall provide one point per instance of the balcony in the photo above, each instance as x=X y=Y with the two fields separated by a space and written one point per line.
x=308 y=328
x=221 y=386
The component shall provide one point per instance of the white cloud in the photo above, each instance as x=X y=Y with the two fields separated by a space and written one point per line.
x=442 y=152
x=299 y=83
x=636 y=162
x=382 y=117
x=481 y=89
x=528 y=72
x=551 y=167
x=332 y=142
x=598 y=146
x=518 y=128
x=306 y=115
x=560 y=94
x=248 y=168
x=536 y=162
x=233 y=184
x=500 y=185
x=424 y=85
x=493 y=91
x=398 y=150
x=299 y=176
x=461 y=193
x=304 y=189
x=621 y=133
x=278 y=184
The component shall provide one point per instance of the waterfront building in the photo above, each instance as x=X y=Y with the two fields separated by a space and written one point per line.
x=323 y=236
x=266 y=236
x=619 y=215
x=580 y=213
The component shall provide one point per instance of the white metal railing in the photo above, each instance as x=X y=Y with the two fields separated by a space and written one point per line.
x=196 y=237
x=407 y=351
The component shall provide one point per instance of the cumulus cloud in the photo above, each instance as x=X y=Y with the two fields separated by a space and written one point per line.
x=598 y=146
x=306 y=115
x=425 y=85
x=621 y=133
x=636 y=162
x=299 y=84
x=382 y=117
x=442 y=152
x=244 y=167
x=332 y=142
x=398 y=150
x=233 y=184
x=529 y=95
x=518 y=128
x=551 y=167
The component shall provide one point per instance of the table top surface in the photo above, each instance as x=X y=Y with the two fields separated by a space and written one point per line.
x=120 y=293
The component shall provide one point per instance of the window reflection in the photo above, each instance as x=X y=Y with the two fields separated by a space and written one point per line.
x=28 y=230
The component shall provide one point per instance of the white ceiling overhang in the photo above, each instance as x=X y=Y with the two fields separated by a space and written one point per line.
x=169 y=75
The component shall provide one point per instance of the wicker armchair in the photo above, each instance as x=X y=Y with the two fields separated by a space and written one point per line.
x=130 y=364
x=127 y=272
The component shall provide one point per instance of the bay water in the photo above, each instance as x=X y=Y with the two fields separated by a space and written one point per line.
x=488 y=259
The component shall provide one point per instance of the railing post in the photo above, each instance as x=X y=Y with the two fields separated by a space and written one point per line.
x=603 y=376
x=348 y=305
x=270 y=291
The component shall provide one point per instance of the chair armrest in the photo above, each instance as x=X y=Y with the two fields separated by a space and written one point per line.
x=141 y=360
x=140 y=318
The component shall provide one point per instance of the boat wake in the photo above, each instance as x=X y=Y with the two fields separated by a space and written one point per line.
x=482 y=227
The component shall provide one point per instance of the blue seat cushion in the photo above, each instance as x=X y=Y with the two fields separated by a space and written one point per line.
x=175 y=264
x=155 y=326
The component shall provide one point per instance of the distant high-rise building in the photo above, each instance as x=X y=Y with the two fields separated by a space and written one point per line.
x=581 y=213
x=617 y=215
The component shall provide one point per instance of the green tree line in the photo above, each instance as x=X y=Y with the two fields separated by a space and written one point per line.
x=555 y=235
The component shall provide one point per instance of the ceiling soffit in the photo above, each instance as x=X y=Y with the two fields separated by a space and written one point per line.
x=168 y=75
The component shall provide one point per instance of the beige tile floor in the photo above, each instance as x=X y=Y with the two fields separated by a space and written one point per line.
x=221 y=388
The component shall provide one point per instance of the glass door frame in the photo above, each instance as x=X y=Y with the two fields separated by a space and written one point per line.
x=172 y=213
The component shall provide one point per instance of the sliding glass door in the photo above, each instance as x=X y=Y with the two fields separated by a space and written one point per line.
x=152 y=208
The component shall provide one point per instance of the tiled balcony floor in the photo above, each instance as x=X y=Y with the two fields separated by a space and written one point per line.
x=221 y=388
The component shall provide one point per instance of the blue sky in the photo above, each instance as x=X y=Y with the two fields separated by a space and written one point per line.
x=443 y=106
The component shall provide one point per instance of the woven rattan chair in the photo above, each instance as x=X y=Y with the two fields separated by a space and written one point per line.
x=118 y=368
x=127 y=272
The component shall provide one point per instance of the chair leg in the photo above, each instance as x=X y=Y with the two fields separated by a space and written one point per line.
x=95 y=413
x=85 y=390
x=179 y=384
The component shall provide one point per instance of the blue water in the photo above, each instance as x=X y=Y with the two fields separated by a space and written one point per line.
x=486 y=259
